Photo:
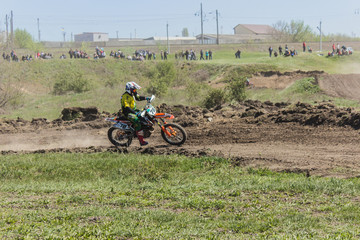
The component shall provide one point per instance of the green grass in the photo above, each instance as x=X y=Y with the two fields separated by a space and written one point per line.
x=106 y=79
x=117 y=196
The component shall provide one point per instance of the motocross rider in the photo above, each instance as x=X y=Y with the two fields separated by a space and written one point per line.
x=128 y=107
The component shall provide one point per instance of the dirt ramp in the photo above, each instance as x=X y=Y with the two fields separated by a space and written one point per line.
x=279 y=80
x=341 y=85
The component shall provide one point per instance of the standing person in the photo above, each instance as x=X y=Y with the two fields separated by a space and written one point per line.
x=333 y=47
x=280 y=51
x=238 y=54
x=270 y=51
x=206 y=55
x=210 y=55
x=304 y=47
x=165 y=55
x=71 y=53
x=128 y=108
x=162 y=55
x=201 y=55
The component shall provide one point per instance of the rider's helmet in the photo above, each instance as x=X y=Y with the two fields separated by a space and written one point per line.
x=131 y=87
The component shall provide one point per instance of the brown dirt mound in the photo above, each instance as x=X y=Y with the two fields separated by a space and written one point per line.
x=279 y=80
x=317 y=140
x=341 y=85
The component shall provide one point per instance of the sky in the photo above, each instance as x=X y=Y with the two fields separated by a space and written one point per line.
x=149 y=18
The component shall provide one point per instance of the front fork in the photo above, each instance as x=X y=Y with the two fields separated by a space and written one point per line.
x=164 y=129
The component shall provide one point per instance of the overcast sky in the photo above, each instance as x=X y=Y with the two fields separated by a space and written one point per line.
x=147 y=18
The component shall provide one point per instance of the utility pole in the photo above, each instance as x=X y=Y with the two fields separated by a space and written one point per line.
x=167 y=37
x=38 y=24
x=320 y=37
x=64 y=33
x=7 y=30
x=217 y=28
x=12 y=28
x=202 y=27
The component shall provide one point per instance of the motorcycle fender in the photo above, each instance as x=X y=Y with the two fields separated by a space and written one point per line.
x=164 y=115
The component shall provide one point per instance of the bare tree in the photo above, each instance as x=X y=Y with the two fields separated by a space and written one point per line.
x=295 y=31
x=8 y=95
x=185 y=32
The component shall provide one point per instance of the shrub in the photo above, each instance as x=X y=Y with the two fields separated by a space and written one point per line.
x=192 y=91
x=306 y=85
x=214 y=98
x=236 y=84
x=236 y=89
x=201 y=75
x=70 y=81
x=162 y=76
x=9 y=95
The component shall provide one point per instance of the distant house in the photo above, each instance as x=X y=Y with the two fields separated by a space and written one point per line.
x=91 y=37
x=253 y=29
x=3 y=36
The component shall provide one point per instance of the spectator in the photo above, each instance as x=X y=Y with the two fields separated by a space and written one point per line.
x=201 y=55
x=238 y=54
x=270 y=51
x=280 y=51
x=210 y=55
x=165 y=55
x=304 y=47
x=71 y=53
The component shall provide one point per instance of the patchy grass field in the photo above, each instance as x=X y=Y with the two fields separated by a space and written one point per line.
x=117 y=196
x=45 y=84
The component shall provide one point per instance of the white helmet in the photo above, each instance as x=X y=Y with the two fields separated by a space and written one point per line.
x=131 y=87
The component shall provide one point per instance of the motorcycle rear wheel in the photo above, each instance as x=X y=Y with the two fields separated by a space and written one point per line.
x=119 y=137
x=178 y=134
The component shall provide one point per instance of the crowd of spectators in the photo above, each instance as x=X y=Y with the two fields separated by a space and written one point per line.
x=189 y=55
x=77 y=54
x=117 y=54
x=13 y=56
x=42 y=55
x=192 y=55
x=340 y=51
x=288 y=52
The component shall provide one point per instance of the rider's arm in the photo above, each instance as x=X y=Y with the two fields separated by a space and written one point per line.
x=139 y=98
x=129 y=110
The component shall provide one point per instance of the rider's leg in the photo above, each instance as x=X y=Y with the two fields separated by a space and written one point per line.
x=137 y=126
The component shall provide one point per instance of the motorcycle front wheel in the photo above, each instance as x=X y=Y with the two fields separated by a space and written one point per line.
x=177 y=134
x=119 y=137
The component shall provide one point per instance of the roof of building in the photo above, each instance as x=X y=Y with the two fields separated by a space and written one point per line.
x=232 y=36
x=170 y=38
x=258 y=28
x=91 y=33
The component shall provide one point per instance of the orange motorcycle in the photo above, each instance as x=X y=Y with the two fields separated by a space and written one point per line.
x=122 y=132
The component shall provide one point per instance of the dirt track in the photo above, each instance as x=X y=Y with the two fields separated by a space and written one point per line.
x=321 y=140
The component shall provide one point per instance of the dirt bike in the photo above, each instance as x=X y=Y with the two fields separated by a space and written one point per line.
x=122 y=132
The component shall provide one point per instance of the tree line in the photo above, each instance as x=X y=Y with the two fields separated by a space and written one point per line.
x=298 y=31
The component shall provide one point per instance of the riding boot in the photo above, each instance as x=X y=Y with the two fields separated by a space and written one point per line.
x=140 y=136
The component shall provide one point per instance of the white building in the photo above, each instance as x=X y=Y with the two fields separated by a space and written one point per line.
x=91 y=37
x=2 y=37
